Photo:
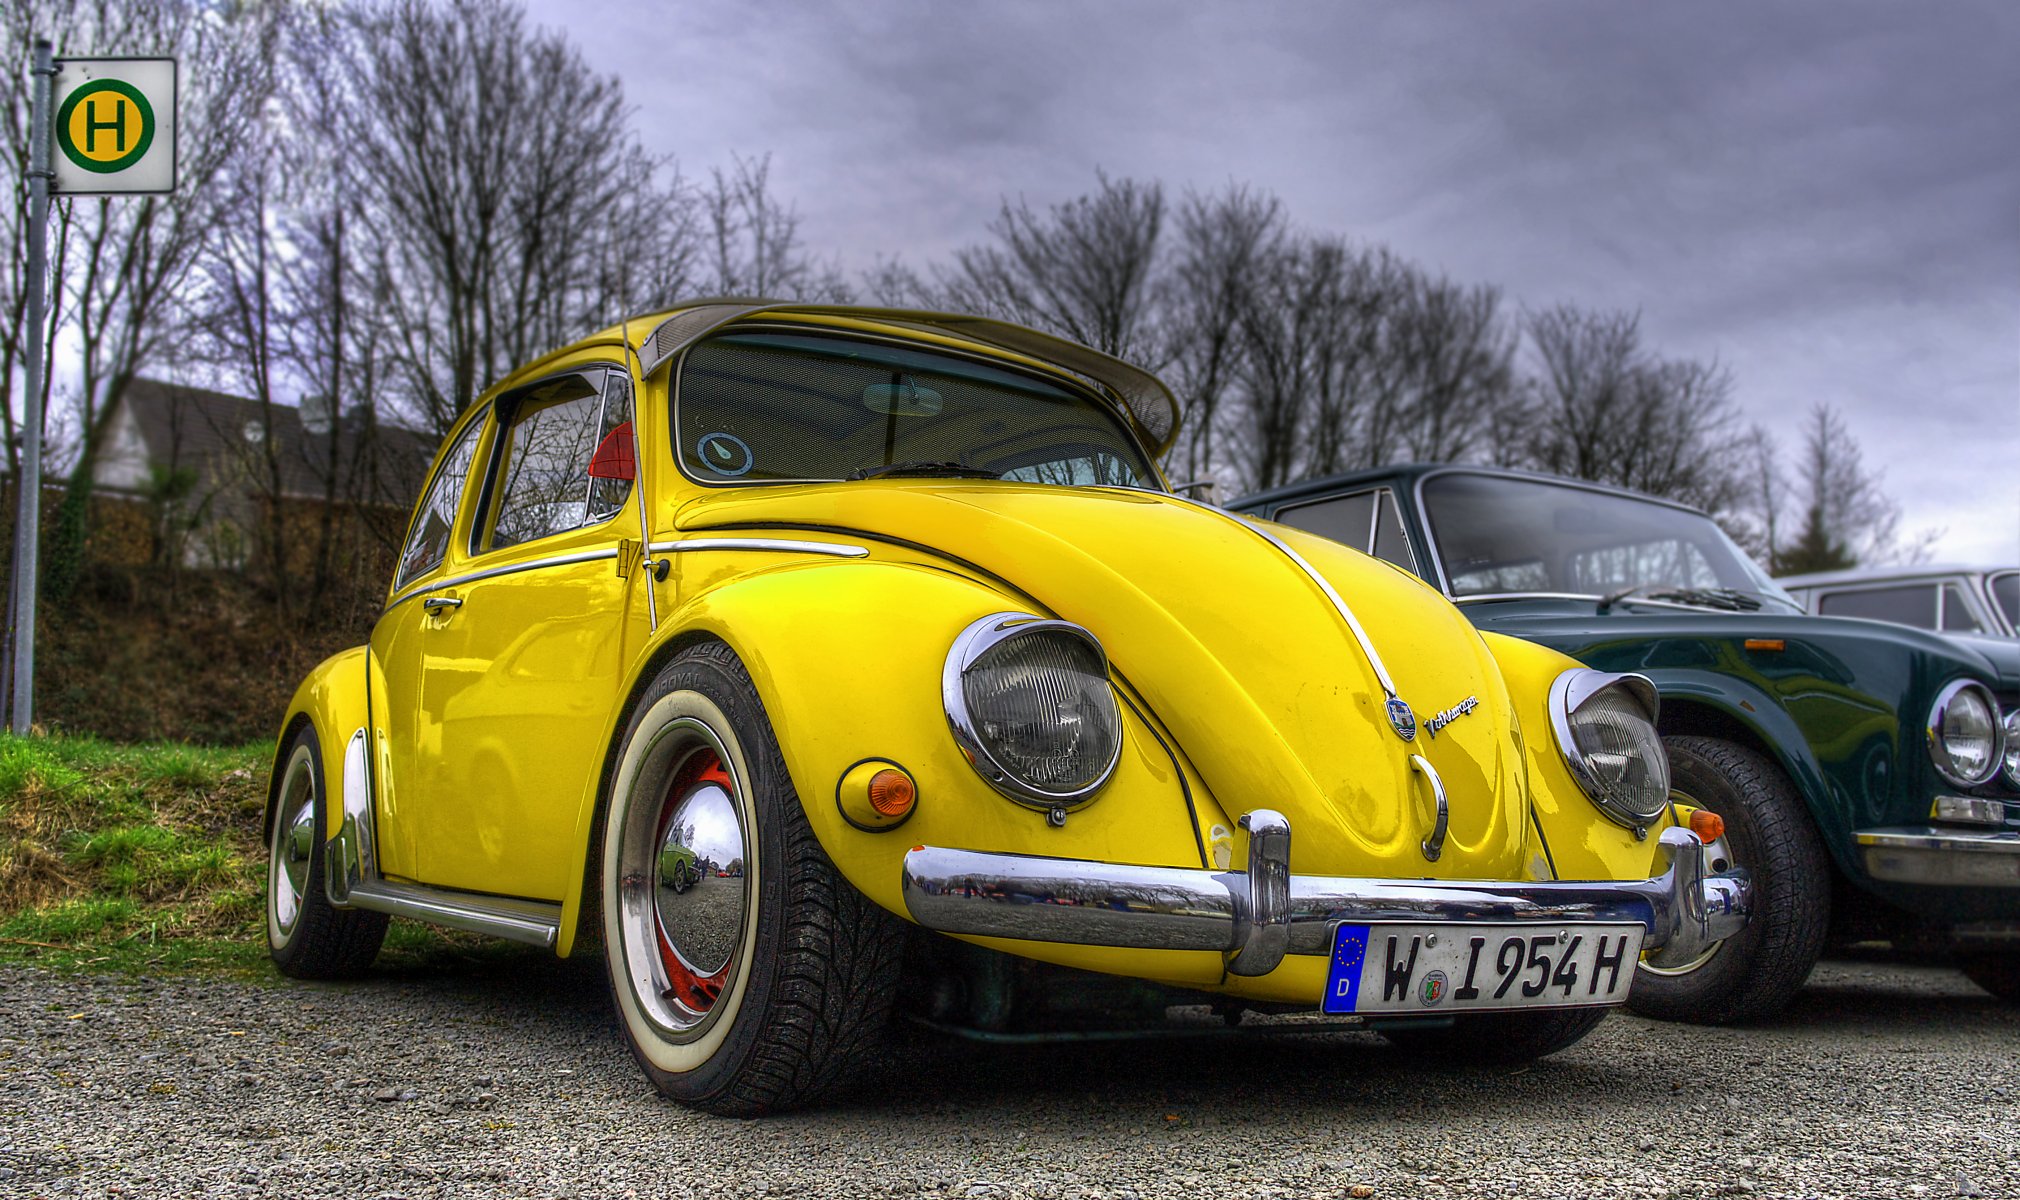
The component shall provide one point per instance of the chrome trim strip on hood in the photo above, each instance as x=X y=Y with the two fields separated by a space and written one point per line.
x=781 y=545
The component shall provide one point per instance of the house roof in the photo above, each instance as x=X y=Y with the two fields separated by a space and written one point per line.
x=222 y=436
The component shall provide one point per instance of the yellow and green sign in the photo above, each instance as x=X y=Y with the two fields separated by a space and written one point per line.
x=114 y=125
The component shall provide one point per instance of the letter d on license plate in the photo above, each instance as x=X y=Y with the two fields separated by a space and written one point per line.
x=1406 y=967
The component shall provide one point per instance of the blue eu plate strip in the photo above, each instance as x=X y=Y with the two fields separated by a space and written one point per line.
x=1343 y=977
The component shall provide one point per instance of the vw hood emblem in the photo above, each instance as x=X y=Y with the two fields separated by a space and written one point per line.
x=1403 y=720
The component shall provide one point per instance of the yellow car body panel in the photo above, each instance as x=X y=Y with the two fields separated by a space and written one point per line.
x=1242 y=687
x=331 y=699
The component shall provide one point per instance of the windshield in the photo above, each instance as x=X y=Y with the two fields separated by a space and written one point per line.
x=1500 y=535
x=772 y=407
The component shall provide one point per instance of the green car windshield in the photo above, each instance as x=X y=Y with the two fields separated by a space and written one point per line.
x=775 y=407
x=1498 y=536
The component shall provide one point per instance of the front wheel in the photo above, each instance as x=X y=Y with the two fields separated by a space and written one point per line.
x=1754 y=973
x=1500 y=1038
x=308 y=937
x=754 y=988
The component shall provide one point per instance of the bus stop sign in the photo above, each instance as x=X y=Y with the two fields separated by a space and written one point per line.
x=114 y=125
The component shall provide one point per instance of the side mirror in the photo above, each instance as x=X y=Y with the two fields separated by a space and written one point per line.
x=614 y=457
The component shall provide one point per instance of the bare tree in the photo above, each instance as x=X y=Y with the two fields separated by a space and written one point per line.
x=754 y=240
x=500 y=181
x=1086 y=269
x=1455 y=353
x=1845 y=518
x=1224 y=241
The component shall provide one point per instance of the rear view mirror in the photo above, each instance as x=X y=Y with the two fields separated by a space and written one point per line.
x=614 y=457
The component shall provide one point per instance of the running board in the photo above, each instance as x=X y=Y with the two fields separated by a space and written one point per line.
x=534 y=922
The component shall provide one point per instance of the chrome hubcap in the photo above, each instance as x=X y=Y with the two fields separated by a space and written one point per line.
x=684 y=883
x=294 y=841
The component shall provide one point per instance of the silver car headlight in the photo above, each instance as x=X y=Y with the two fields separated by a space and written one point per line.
x=1964 y=734
x=1605 y=726
x=1030 y=702
x=2012 y=761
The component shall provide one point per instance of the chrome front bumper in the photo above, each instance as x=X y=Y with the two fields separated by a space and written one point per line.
x=1932 y=854
x=1257 y=916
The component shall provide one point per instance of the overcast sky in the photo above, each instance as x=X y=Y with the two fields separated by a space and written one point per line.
x=1825 y=196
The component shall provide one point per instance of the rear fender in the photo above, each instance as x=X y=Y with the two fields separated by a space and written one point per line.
x=332 y=702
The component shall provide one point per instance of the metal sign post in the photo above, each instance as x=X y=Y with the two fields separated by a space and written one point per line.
x=114 y=120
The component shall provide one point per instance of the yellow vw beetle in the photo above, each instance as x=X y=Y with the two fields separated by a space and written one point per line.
x=815 y=662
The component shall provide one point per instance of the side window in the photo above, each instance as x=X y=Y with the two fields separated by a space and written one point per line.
x=429 y=541
x=540 y=483
x=1391 y=543
x=1345 y=519
x=606 y=493
x=1957 y=616
x=1914 y=604
x=2006 y=594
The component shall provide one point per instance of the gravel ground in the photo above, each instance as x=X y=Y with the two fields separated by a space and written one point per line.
x=510 y=1079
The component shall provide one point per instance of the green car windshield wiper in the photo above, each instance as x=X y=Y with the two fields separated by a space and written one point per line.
x=949 y=470
x=1728 y=599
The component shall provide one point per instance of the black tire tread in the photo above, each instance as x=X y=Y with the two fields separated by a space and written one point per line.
x=328 y=942
x=836 y=977
x=1758 y=970
x=1500 y=1038
x=1997 y=973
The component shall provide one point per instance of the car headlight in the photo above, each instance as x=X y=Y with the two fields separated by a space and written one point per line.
x=2013 y=747
x=1605 y=727
x=1029 y=700
x=1964 y=734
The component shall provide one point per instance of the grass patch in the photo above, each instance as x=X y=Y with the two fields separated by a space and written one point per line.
x=149 y=858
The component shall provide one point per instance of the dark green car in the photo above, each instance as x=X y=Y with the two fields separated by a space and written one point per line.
x=1868 y=774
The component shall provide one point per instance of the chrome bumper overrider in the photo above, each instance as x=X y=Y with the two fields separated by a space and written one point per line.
x=1933 y=854
x=1257 y=916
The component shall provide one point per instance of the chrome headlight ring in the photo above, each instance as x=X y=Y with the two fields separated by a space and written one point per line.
x=988 y=646
x=1961 y=705
x=1616 y=713
x=2011 y=760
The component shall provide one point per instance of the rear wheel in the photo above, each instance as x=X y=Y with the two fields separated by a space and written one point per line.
x=756 y=986
x=1998 y=974
x=308 y=937
x=1754 y=973
x=1500 y=1038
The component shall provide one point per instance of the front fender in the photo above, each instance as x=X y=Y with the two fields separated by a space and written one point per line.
x=847 y=659
x=332 y=702
x=1579 y=841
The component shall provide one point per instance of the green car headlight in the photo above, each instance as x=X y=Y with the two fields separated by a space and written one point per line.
x=1029 y=701
x=1965 y=734
x=2012 y=759
x=1605 y=726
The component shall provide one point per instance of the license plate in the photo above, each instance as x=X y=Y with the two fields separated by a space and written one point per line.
x=1444 y=968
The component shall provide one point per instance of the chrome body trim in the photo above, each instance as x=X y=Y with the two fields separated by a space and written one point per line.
x=972 y=643
x=442 y=603
x=1929 y=854
x=534 y=922
x=351 y=857
x=1028 y=898
x=1433 y=846
x=533 y=564
x=1933 y=732
x=1969 y=810
x=1568 y=692
x=778 y=545
x=1339 y=604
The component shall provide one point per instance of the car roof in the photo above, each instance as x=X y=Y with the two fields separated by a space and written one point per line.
x=1884 y=574
x=1408 y=474
x=1140 y=398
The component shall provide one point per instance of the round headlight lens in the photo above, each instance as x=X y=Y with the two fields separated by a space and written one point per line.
x=1030 y=701
x=1606 y=729
x=2012 y=762
x=1964 y=734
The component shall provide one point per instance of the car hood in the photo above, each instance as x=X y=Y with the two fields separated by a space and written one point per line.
x=1236 y=650
x=1575 y=627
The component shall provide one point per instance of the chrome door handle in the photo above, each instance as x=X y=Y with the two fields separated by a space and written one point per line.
x=442 y=604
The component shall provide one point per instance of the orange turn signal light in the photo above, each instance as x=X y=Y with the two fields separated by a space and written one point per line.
x=892 y=793
x=1775 y=644
x=876 y=794
x=1707 y=825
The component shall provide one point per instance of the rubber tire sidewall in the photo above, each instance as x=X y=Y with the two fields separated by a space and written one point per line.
x=1754 y=973
x=700 y=1068
x=326 y=942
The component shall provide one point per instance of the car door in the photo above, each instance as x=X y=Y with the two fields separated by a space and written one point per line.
x=520 y=668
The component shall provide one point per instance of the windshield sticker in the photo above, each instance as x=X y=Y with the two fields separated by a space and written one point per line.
x=725 y=454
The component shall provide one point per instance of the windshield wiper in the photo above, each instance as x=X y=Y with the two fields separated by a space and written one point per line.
x=944 y=470
x=1728 y=599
